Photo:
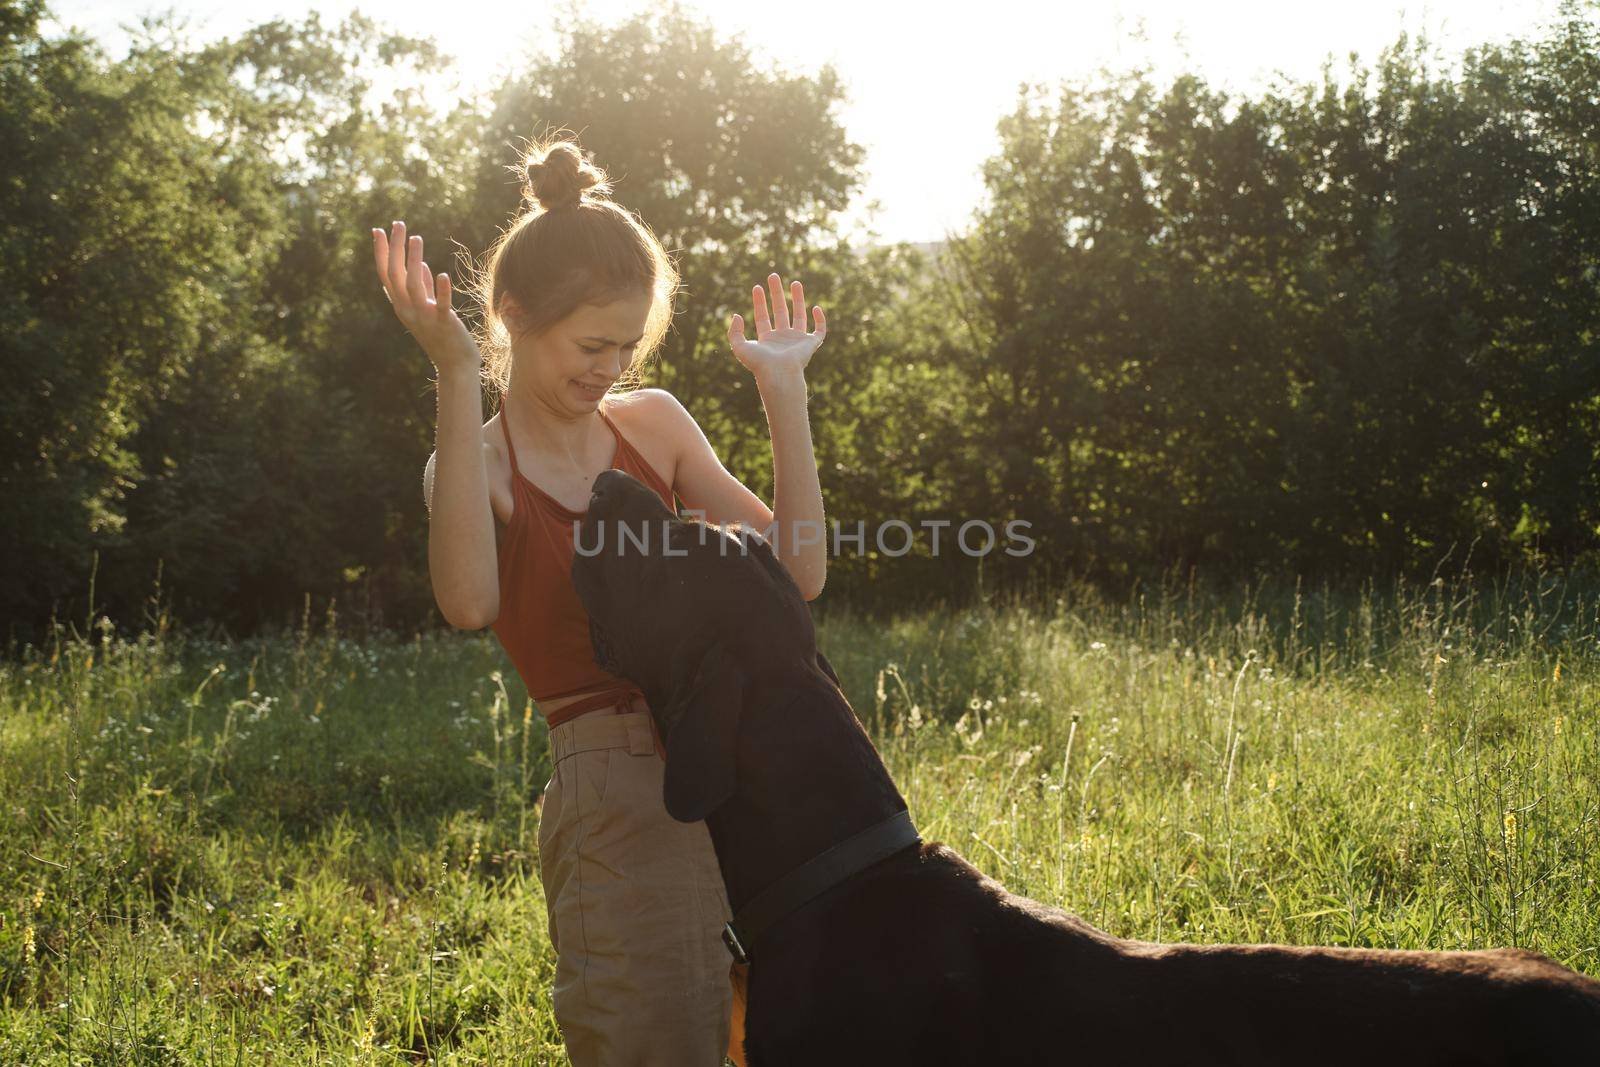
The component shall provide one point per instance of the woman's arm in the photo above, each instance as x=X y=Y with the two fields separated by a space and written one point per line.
x=801 y=541
x=463 y=561
x=463 y=564
x=778 y=359
x=709 y=489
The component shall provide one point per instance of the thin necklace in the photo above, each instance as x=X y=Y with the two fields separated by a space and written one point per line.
x=587 y=480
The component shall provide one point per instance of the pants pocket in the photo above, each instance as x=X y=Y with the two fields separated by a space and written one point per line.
x=639 y=910
x=592 y=771
x=550 y=841
x=571 y=810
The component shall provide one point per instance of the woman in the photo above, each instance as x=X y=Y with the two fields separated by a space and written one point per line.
x=577 y=293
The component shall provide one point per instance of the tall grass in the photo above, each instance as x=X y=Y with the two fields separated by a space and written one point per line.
x=321 y=849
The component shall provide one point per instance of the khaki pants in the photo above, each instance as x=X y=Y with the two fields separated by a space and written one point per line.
x=635 y=903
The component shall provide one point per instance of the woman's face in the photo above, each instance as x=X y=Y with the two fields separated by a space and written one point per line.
x=575 y=361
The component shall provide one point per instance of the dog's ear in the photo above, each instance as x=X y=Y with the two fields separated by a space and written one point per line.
x=762 y=549
x=704 y=740
x=827 y=668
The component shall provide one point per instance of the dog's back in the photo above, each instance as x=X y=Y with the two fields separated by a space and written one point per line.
x=1263 y=1004
x=926 y=960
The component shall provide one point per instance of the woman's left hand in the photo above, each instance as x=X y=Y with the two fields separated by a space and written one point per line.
x=782 y=345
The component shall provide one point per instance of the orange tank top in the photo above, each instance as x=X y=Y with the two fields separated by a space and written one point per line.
x=542 y=624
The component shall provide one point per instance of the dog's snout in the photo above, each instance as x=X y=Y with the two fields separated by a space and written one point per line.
x=603 y=487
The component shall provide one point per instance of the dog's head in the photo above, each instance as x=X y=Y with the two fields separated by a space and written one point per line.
x=690 y=612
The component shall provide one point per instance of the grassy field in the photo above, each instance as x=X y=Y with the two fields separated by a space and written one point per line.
x=319 y=848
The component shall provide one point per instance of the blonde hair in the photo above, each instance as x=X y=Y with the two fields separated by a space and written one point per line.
x=570 y=245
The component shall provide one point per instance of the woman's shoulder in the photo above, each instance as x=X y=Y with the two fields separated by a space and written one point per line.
x=656 y=424
x=647 y=401
x=652 y=411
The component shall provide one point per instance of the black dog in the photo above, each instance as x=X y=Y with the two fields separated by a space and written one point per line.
x=920 y=958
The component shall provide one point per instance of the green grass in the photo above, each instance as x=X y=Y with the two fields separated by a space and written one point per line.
x=319 y=849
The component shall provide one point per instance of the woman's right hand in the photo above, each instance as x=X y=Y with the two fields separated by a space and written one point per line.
x=423 y=302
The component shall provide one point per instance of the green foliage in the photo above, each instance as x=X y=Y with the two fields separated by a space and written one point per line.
x=1335 y=330
x=1329 y=330
x=122 y=267
x=179 y=385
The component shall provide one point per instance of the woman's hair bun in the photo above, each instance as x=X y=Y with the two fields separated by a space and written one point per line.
x=557 y=176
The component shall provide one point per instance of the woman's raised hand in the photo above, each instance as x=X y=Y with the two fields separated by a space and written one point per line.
x=422 y=302
x=782 y=345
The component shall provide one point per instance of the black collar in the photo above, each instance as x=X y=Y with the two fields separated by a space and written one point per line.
x=826 y=869
x=809 y=880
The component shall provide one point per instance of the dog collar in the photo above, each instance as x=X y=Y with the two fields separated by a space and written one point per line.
x=809 y=880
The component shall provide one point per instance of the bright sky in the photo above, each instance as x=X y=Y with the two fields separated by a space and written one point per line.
x=928 y=82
